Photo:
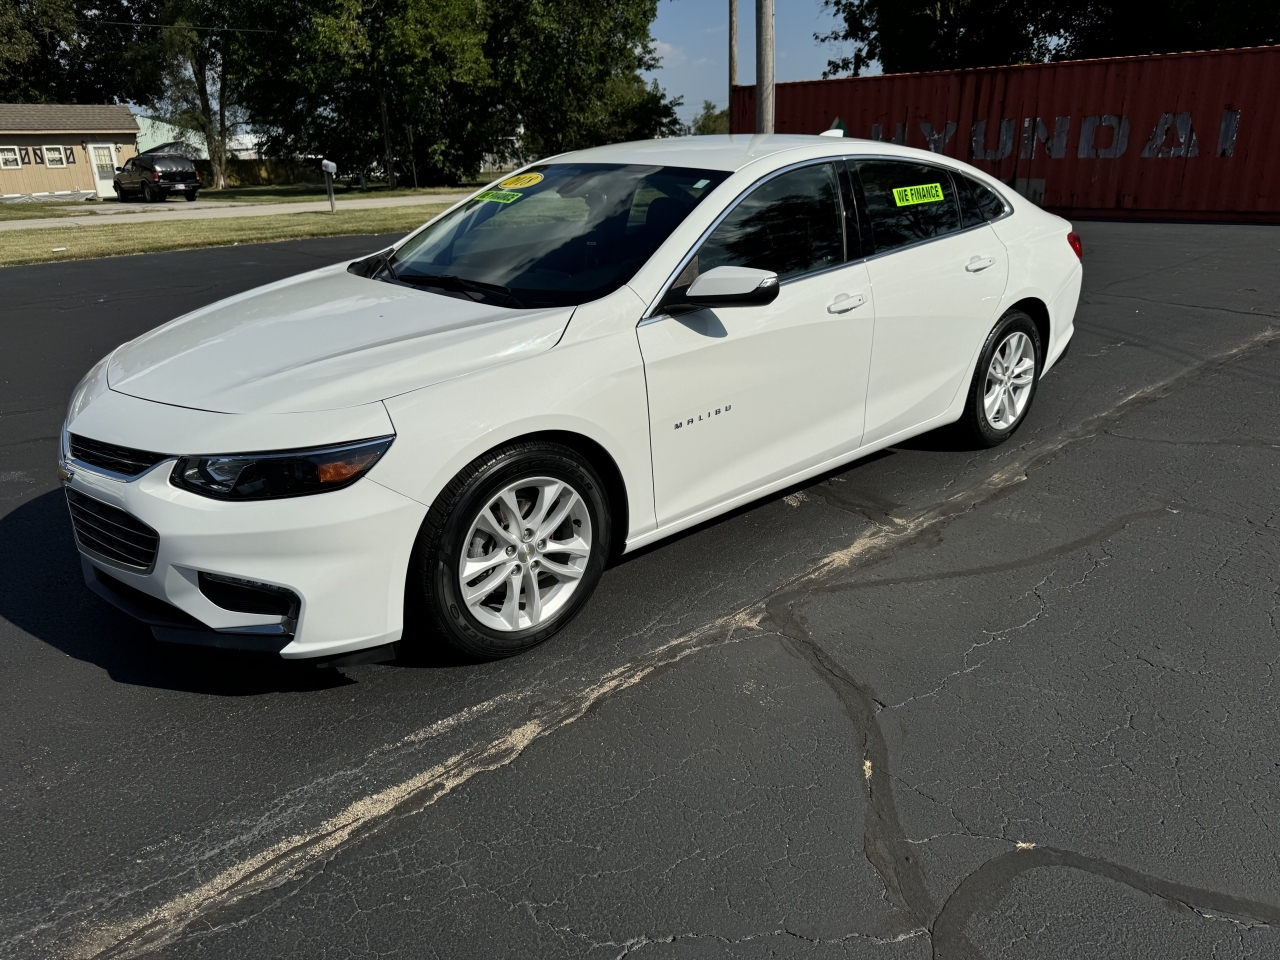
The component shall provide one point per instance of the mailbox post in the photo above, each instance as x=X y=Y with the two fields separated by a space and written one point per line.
x=329 y=168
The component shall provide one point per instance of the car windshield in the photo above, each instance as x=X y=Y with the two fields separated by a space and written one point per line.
x=555 y=235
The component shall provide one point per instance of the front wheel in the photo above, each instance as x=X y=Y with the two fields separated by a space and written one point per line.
x=1004 y=383
x=510 y=550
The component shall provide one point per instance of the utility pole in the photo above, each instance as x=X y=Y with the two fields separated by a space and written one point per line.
x=733 y=48
x=764 y=66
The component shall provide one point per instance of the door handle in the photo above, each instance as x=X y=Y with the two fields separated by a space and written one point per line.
x=978 y=264
x=844 y=303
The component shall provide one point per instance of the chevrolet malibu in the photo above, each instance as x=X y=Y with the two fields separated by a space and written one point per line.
x=450 y=438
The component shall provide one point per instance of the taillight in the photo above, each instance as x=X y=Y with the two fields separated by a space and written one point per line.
x=1073 y=238
x=155 y=174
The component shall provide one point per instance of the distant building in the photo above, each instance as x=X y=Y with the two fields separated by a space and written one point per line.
x=62 y=151
x=159 y=136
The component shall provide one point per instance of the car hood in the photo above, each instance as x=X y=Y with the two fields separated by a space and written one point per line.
x=322 y=341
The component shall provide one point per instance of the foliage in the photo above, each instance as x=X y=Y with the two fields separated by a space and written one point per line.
x=710 y=120
x=568 y=73
x=409 y=88
x=1115 y=29
x=912 y=35
x=75 y=51
x=906 y=36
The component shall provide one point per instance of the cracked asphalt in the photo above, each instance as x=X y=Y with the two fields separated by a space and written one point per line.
x=943 y=703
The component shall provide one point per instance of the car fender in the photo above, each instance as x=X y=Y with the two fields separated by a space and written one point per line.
x=591 y=384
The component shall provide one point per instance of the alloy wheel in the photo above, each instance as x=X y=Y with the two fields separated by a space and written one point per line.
x=526 y=553
x=1010 y=378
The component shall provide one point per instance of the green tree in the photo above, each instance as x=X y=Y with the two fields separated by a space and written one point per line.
x=913 y=35
x=357 y=81
x=906 y=36
x=1115 y=29
x=76 y=51
x=568 y=73
x=710 y=120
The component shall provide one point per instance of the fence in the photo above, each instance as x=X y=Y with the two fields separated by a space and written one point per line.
x=259 y=173
x=1179 y=136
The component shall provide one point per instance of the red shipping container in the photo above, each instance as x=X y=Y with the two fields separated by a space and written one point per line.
x=1189 y=136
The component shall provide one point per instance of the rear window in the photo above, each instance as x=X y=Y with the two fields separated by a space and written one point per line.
x=173 y=164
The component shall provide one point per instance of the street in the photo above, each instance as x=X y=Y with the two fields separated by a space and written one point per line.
x=1017 y=703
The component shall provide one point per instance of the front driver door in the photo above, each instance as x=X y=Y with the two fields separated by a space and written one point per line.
x=742 y=396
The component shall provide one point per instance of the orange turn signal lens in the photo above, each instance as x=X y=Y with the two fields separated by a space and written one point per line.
x=339 y=471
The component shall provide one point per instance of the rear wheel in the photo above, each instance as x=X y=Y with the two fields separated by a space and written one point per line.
x=511 y=550
x=148 y=192
x=1004 y=383
x=191 y=195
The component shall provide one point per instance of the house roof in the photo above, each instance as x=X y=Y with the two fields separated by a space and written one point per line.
x=66 y=118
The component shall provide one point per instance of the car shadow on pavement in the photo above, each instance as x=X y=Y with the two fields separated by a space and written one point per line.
x=42 y=592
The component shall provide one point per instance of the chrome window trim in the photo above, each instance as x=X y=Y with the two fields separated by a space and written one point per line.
x=651 y=315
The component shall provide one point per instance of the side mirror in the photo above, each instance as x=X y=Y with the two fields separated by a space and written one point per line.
x=119 y=169
x=733 y=287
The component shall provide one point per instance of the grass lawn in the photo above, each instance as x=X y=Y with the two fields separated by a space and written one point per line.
x=115 y=238
x=315 y=191
x=40 y=211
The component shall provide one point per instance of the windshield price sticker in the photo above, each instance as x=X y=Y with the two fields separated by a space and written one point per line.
x=925 y=193
x=499 y=196
x=521 y=180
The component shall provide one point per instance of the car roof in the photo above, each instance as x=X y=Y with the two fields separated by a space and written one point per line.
x=732 y=152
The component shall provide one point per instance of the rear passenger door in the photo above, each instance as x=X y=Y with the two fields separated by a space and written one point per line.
x=938 y=277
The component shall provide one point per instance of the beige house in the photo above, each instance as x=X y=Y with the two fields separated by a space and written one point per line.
x=62 y=151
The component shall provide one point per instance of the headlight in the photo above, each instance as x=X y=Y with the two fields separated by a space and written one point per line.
x=288 y=473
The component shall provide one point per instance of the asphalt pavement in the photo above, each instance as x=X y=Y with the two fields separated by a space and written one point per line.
x=946 y=703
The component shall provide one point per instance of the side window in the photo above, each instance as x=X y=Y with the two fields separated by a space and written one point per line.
x=907 y=202
x=970 y=213
x=989 y=202
x=790 y=225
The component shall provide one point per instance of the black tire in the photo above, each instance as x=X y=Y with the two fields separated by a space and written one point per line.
x=433 y=604
x=121 y=196
x=148 y=194
x=974 y=425
x=191 y=195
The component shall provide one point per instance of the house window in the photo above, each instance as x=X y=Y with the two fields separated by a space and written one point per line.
x=70 y=153
x=53 y=157
x=37 y=155
x=9 y=159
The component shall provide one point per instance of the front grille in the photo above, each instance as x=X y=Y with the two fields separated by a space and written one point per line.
x=111 y=535
x=124 y=460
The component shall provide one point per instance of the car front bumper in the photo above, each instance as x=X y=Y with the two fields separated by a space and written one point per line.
x=344 y=554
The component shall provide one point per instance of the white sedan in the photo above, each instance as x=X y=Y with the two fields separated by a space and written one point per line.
x=450 y=438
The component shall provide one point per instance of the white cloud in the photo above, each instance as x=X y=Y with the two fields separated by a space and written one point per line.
x=671 y=55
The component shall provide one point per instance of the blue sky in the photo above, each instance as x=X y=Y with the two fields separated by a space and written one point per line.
x=693 y=40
